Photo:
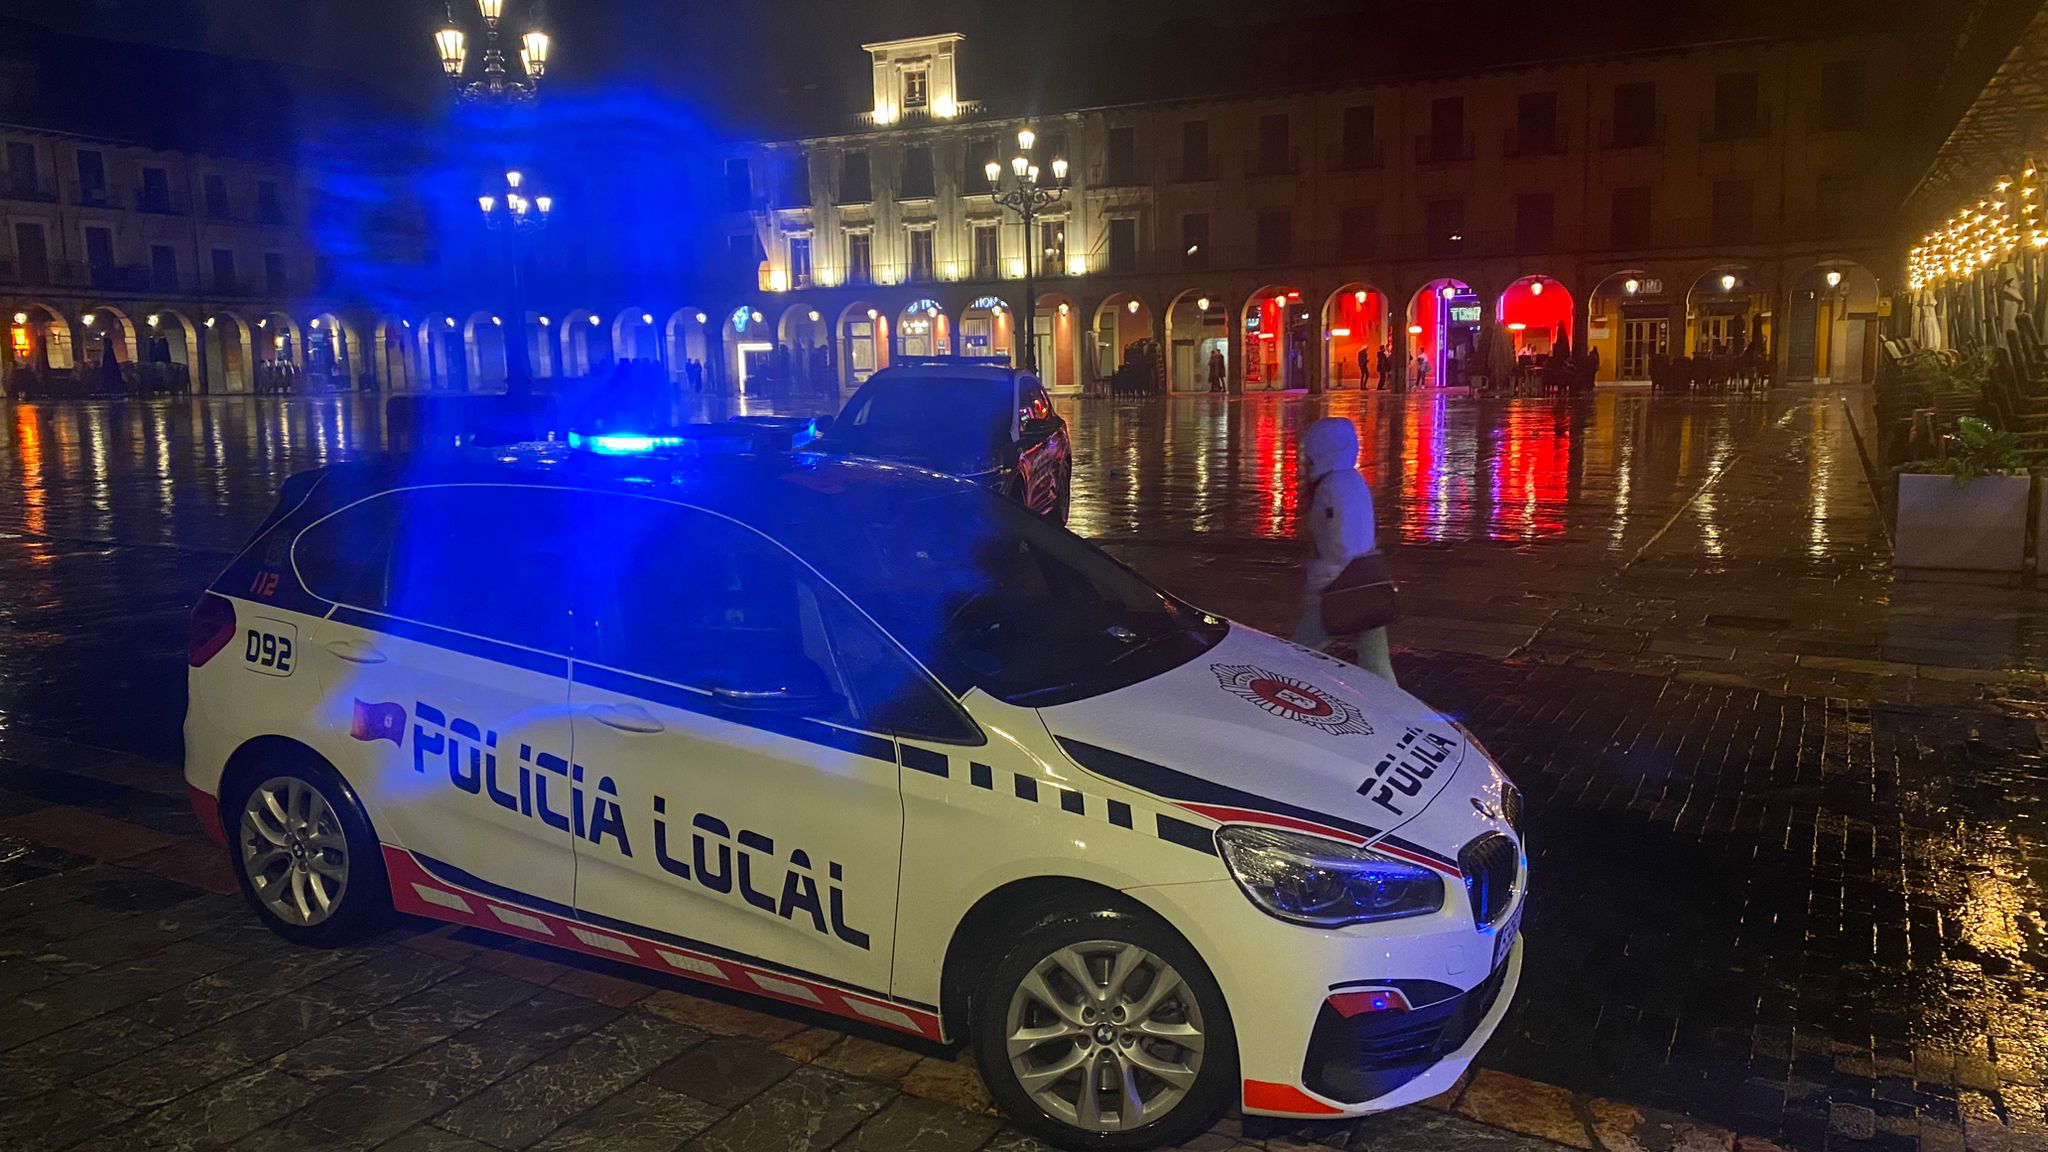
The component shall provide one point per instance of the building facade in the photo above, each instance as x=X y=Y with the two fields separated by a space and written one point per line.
x=1642 y=205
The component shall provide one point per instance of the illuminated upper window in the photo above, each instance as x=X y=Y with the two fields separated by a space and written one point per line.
x=916 y=88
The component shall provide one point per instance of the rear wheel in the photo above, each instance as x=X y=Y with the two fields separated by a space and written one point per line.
x=1103 y=1030
x=304 y=855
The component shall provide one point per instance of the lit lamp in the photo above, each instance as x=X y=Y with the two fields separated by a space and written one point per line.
x=1728 y=283
x=533 y=53
x=521 y=216
x=1631 y=286
x=449 y=43
x=1834 y=278
x=1536 y=288
x=496 y=82
x=1201 y=304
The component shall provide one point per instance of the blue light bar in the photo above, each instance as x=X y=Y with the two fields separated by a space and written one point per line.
x=622 y=443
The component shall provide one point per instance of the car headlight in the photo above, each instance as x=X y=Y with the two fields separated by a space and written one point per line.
x=1313 y=880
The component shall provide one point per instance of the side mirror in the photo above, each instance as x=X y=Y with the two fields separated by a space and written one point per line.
x=821 y=424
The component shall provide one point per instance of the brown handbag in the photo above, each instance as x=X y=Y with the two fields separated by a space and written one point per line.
x=1361 y=598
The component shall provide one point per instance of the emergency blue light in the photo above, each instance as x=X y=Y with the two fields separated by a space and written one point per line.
x=622 y=443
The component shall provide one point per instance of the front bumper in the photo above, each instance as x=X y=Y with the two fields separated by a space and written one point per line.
x=1277 y=979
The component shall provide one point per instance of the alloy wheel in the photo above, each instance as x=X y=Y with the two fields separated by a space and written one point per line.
x=294 y=851
x=1105 y=1036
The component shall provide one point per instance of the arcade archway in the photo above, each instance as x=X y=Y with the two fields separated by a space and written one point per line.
x=923 y=329
x=1276 y=340
x=443 y=354
x=1728 y=312
x=170 y=352
x=230 y=353
x=1354 y=334
x=1443 y=331
x=988 y=329
x=1831 y=332
x=863 y=343
x=1628 y=325
x=749 y=349
x=1123 y=328
x=39 y=342
x=483 y=336
x=635 y=336
x=584 y=351
x=393 y=356
x=1057 y=346
x=803 y=347
x=688 y=343
x=1198 y=342
x=334 y=355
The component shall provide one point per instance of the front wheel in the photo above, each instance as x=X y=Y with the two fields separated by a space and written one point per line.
x=1104 y=1030
x=305 y=858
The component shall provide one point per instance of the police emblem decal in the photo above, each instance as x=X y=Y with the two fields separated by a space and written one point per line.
x=1292 y=699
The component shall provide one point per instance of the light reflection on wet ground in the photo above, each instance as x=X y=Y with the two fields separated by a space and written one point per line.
x=1707 y=580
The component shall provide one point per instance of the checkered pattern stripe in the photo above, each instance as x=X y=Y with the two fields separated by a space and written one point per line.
x=418 y=892
x=1032 y=790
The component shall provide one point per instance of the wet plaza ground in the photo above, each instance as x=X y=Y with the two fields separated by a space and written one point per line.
x=1786 y=810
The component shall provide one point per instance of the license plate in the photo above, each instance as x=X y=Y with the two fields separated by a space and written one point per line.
x=1504 y=936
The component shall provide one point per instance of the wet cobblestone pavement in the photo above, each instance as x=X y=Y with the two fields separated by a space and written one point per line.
x=1786 y=812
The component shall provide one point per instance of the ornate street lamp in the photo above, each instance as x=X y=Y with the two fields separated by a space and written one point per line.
x=515 y=215
x=497 y=82
x=1028 y=198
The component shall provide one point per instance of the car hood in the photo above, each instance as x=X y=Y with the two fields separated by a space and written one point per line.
x=1258 y=730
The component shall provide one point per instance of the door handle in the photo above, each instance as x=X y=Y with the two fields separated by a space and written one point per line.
x=356 y=651
x=627 y=718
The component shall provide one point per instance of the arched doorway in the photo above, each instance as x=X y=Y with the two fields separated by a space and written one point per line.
x=108 y=332
x=1354 y=332
x=863 y=343
x=540 y=345
x=443 y=352
x=1276 y=340
x=1831 y=332
x=1535 y=315
x=1197 y=328
x=749 y=349
x=483 y=339
x=1628 y=325
x=394 y=359
x=583 y=352
x=230 y=353
x=1443 y=331
x=922 y=329
x=1727 y=310
x=334 y=356
x=1124 y=330
x=635 y=336
x=801 y=337
x=688 y=343
x=988 y=329
x=1058 y=345
x=40 y=346
x=171 y=352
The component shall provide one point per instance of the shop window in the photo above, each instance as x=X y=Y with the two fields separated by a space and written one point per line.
x=1123 y=244
x=1194 y=150
x=1357 y=231
x=1194 y=241
x=1736 y=112
x=1734 y=211
x=1634 y=124
x=1535 y=222
x=800 y=262
x=921 y=266
x=1630 y=222
x=1122 y=162
x=987 y=252
x=739 y=185
x=1536 y=124
x=1446 y=224
x=917 y=174
x=1841 y=95
x=1275 y=236
x=855 y=184
x=1359 y=140
x=860 y=258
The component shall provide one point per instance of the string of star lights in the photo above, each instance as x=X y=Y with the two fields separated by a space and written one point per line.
x=1982 y=234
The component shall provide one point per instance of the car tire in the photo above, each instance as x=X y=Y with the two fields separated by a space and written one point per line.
x=1039 y=1058
x=303 y=853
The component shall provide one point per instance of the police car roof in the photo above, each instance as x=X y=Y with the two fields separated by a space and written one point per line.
x=747 y=486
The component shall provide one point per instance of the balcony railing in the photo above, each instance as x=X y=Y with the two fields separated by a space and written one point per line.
x=1355 y=157
x=1433 y=149
x=1714 y=130
x=96 y=198
x=1615 y=135
x=160 y=202
x=1554 y=142
x=118 y=277
x=25 y=186
x=230 y=284
x=1272 y=162
x=921 y=115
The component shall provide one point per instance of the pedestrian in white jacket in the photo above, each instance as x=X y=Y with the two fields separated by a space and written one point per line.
x=1336 y=527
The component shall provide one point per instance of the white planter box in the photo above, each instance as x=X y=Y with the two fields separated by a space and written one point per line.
x=1979 y=526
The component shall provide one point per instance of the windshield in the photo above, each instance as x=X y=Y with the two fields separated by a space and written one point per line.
x=951 y=424
x=988 y=595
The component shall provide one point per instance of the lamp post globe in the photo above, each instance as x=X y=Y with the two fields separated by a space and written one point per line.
x=1028 y=198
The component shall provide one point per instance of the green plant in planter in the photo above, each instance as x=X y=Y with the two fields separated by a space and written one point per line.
x=1975 y=449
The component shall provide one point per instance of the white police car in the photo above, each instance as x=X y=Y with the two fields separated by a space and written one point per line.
x=870 y=741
